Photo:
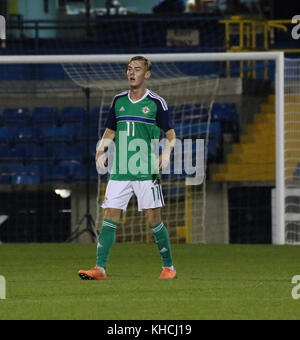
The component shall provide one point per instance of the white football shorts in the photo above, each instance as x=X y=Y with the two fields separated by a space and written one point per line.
x=118 y=194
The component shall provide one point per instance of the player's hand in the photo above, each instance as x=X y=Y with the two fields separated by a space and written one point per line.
x=163 y=160
x=101 y=160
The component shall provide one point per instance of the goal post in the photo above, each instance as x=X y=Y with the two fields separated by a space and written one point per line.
x=276 y=57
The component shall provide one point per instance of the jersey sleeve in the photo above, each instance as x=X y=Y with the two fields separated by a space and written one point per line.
x=163 y=117
x=111 y=121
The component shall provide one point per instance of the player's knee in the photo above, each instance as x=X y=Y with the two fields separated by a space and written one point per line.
x=153 y=217
x=112 y=214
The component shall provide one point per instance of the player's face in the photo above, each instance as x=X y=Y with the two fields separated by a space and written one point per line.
x=137 y=74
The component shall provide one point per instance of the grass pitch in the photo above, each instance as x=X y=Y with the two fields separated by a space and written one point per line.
x=214 y=282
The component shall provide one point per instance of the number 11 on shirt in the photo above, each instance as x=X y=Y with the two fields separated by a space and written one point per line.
x=153 y=192
x=128 y=129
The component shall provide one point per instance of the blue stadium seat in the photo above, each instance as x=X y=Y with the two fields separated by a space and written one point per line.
x=99 y=118
x=15 y=154
x=25 y=179
x=192 y=111
x=174 y=191
x=80 y=132
x=38 y=153
x=186 y=109
x=97 y=133
x=28 y=135
x=42 y=116
x=177 y=115
x=16 y=117
x=196 y=129
x=226 y=115
x=73 y=114
x=25 y=175
x=55 y=174
x=172 y=110
x=94 y=132
x=214 y=130
x=200 y=110
x=213 y=145
x=71 y=165
x=5 y=177
x=80 y=174
x=224 y=112
x=213 y=149
x=97 y=112
x=8 y=135
x=57 y=134
x=17 y=169
x=74 y=152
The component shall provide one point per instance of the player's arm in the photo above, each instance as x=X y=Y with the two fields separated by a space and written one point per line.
x=107 y=138
x=102 y=146
x=164 y=122
x=164 y=158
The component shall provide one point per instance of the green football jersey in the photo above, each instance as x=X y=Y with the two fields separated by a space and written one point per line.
x=138 y=127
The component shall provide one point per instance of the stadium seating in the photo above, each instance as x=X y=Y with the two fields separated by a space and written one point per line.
x=57 y=134
x=213 y=150
x=25 y=179
x=73 y=114
x=5 y=175
x=193 y=111
x=194 y=129
x=38 y=154
x=253 y=157
x=224 y=111
x=99 y=115
x=45 y=116
x=8 y=135
x=80 y=132
x=55 y=142
x=16 y=154
x=27 y=135
x=171 y=190
x=226 y=115
x=80 y=174
x=19 y=135
x=97 y=112
x=76 y=152
x=25 y=175
x=71 y=166
x=16 y=117
x=55 y=174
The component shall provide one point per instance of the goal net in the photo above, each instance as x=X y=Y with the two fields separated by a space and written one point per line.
x=190 y=97
x=226 y=161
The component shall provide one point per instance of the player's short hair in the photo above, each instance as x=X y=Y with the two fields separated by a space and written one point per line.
x=147 y=62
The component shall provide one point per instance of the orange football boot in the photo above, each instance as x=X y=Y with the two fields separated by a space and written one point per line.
x=167 y=273
x=93 y=274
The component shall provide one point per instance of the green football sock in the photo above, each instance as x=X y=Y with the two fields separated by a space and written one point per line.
x=162 y=240
x=106 y=239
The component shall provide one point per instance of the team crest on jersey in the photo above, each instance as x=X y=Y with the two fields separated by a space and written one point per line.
x=146 y=110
